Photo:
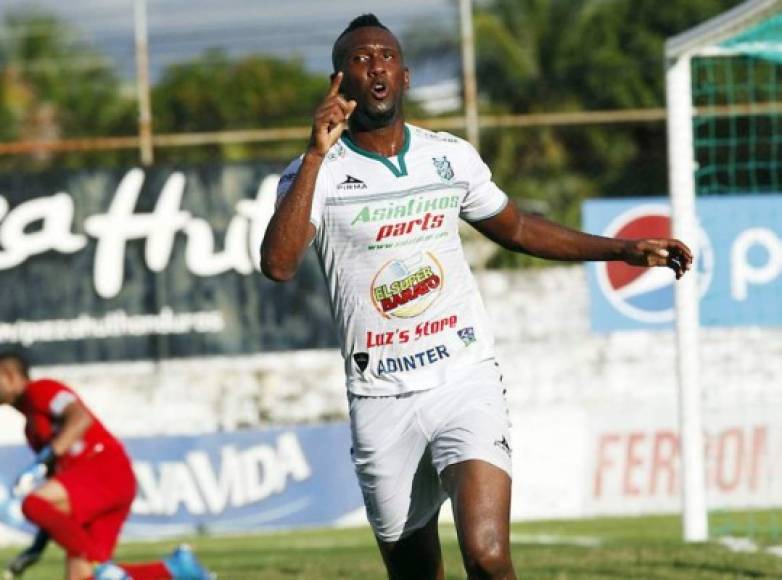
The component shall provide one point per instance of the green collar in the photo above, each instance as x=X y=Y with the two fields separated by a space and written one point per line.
x=398 y=172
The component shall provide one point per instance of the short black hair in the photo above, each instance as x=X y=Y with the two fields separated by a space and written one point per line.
x=20 y=360
x=363 y=21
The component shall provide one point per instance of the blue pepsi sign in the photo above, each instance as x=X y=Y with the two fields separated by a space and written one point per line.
x=228 y=482
x=738 y=260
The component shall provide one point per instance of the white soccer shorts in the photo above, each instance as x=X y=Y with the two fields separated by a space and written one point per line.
x=401 y=445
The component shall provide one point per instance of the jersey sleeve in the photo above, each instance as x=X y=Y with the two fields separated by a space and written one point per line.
x=318 y=197
x=484 y=199
x=50 y=397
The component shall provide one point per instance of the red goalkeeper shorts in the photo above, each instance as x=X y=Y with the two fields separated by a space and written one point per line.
x=101 y=488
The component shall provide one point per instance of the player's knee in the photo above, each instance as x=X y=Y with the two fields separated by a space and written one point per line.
x=487 y=558
x=33 y=508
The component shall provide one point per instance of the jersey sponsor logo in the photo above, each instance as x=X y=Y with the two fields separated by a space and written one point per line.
x=405 y=335
x=467 y=334
x=444 y=169
x=400 y=364
x=646 y=294
x=407 y=241
x=406 y=288
x=362 y=360
x=410 y=208
x=427 y=222
x=351 y=183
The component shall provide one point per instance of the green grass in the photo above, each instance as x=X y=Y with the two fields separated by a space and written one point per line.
x=616 y=548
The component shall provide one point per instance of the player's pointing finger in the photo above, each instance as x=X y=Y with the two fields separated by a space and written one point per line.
x=336 y=80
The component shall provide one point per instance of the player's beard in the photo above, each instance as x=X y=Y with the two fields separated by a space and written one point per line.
x=378 y=117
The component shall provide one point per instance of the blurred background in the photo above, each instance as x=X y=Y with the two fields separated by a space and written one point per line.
x=140 y=148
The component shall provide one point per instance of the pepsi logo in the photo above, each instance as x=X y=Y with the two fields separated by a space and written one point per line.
x=647 y=294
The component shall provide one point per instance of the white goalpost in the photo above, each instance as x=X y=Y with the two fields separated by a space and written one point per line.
x=715 y=38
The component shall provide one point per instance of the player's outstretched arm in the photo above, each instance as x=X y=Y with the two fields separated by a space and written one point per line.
x=290 y=230
x=523 y=232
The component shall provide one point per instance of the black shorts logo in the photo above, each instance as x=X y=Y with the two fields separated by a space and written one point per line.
x=504 y=445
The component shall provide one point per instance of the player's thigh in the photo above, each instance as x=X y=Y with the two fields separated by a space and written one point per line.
x=417 y=556
x=54 y=492
x=104 y=531
x=470 y=421
x=98 y=485
x=472 y=452
x=393 y=465
x=480 y=496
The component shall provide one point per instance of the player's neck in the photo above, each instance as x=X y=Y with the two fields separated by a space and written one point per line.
x=387 y=141
x=18 y=397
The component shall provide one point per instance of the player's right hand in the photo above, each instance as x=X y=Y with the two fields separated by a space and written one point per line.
x=32 y=476
x=331 y=118
x=35 y=473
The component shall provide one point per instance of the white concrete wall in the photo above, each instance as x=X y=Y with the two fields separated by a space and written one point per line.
x=592 y=414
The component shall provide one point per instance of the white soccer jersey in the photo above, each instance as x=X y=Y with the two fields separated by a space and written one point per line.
x=405 y=302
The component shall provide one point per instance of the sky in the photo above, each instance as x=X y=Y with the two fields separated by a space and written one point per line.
x=182 y=29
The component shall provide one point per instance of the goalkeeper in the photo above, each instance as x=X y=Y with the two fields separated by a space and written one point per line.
x=80 y=487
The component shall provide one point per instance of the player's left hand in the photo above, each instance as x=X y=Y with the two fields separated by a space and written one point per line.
x=660 y=252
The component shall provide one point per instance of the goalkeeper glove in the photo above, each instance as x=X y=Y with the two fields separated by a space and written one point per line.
x=34 y=473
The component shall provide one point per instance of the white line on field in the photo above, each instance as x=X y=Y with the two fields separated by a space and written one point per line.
x=541 y=539
x=555 y=539
x=740 y=544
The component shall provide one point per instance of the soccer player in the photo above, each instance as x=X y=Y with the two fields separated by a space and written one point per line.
x=381 y=200
x=80 y=487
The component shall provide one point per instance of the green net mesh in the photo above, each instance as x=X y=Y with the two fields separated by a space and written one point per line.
x=737 y=127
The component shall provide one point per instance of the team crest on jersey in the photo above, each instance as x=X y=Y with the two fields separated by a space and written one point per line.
x=443 y=167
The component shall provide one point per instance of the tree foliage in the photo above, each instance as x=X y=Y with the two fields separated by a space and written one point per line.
x=216 y=93
x=569 y=55
x=54 y=87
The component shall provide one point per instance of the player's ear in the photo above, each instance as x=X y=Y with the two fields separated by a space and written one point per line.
x=407 y=78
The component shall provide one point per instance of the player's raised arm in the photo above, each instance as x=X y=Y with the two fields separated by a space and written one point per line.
x=290 y=230
x=523 y=232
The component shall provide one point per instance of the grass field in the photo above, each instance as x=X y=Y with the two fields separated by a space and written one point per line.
x=609 y=548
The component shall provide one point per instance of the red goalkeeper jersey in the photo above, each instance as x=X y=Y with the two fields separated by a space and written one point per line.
x=43 y=404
